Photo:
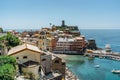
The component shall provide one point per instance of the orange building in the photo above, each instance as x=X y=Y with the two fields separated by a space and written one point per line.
x=78 y=44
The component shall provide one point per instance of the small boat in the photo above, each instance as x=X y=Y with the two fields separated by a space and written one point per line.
x=116 y=71
x=97 y=66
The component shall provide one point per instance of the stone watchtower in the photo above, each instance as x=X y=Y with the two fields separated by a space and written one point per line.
x=63 y=23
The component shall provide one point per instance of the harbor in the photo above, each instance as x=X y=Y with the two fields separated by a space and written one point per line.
x=106 y=53
x=112 y=55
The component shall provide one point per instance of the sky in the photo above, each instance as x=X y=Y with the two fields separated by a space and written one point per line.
x=34 y=14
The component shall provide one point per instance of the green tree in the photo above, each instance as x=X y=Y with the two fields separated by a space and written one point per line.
x=7 y=72
x=7 y=60
x=10 y=40
x=1 y=30
x=7 y=68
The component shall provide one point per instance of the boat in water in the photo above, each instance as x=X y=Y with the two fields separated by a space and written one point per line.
x=97 y=66
x=116 y=71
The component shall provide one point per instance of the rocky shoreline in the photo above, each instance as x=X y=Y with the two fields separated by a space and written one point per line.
x=69 y=75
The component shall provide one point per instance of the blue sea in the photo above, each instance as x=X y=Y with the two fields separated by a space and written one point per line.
x=103 y=37
x=85 y=69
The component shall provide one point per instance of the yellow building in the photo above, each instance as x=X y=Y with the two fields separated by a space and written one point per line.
x=49 y=44
x=47 y=32
x=28 y=58
x=44 y=42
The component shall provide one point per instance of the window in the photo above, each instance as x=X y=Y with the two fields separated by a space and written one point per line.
x=43 y=59
x=24 y=57
x=17 y=57
x=48 y=49
x=63 y=63
x=56 y=61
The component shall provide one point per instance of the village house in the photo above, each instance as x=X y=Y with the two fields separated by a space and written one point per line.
x=58 y=65
x=49 y=44
x=63 y=45
x=52 y=67
x=28 y=58
x=43 y=65
x=42 y=40
x=78 y=45
x=69 y=45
